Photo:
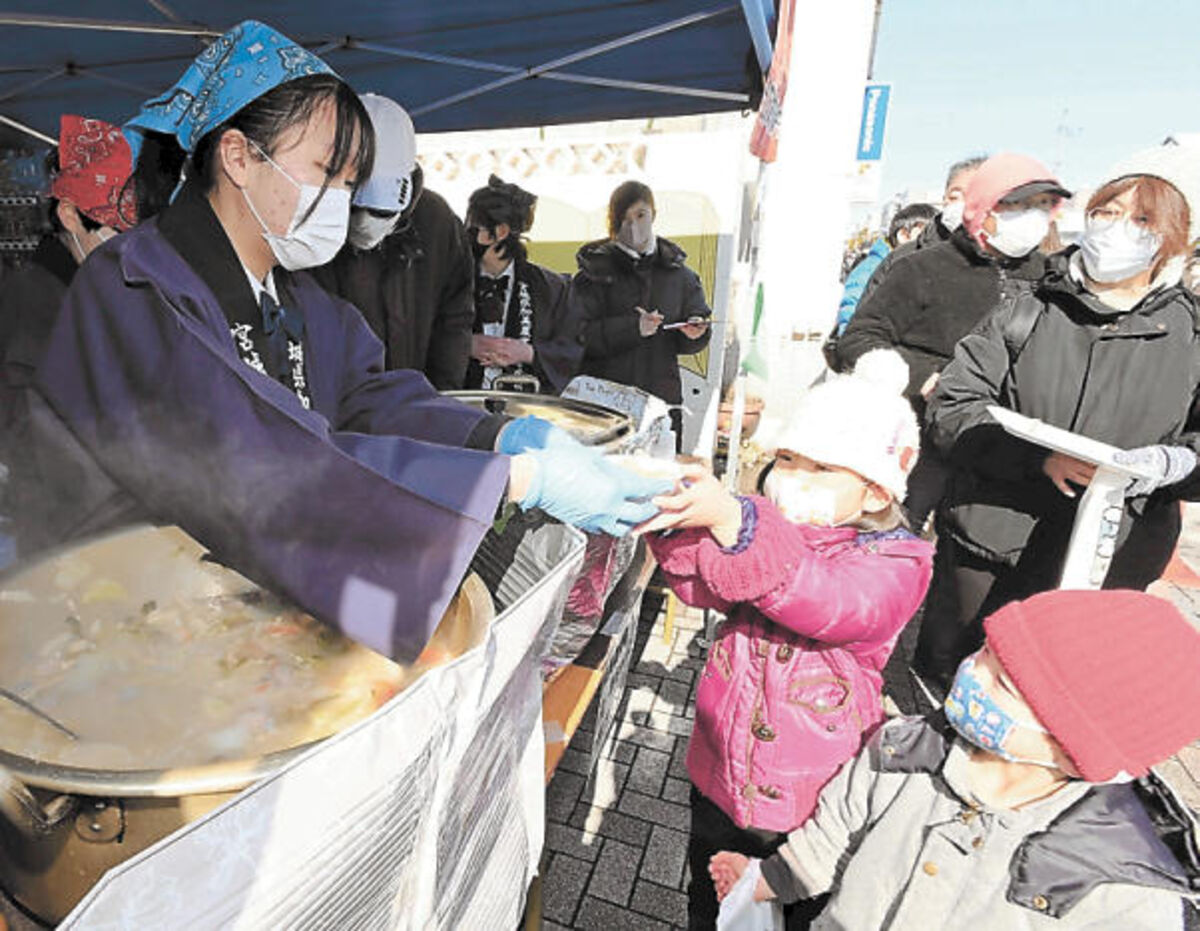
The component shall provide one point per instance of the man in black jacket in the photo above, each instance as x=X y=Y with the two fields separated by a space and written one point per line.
x=933 y=297
x=407 y=265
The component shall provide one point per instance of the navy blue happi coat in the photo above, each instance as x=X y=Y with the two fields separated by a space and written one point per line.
x=342 y=487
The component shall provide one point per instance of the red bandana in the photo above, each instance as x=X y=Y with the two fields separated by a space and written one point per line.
x=94 y=164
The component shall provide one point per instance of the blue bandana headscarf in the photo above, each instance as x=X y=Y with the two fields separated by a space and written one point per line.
x=239 y=67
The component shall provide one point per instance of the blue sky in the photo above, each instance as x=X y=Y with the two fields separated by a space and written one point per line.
x=981 y=76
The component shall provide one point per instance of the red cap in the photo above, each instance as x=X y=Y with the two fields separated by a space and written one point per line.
x=995 y=178
x=1112 y=675
x=94 y=162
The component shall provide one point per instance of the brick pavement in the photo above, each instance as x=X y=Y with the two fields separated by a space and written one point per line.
x=616 y=851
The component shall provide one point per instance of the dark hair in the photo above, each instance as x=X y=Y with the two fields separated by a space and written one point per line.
x=967 y=164
x=624 y=197
x=1161 y=203
x=263 y=121
x=502 y=202
x=908 y=218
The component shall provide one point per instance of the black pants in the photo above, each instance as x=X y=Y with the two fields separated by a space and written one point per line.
x=714 y=831
x=966 y=588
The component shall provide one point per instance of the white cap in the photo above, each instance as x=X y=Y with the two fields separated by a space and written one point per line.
x=390 y=186
x=1178 y=165
x=860 y=421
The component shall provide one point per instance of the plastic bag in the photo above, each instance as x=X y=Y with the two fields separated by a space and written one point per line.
x=739 y=911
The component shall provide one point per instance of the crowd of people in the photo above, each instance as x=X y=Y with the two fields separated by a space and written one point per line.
x=894 y=487
x=247 y=306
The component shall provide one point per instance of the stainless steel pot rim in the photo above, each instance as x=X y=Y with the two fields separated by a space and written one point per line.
x=499 y=400
x=208 y=779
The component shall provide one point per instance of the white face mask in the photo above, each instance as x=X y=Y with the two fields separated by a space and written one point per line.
x=367 y=230
x=1019 y=232
x=316 y=240
x=1114 y=251
x=952 y=214
x=802 y=504
x=637 y=234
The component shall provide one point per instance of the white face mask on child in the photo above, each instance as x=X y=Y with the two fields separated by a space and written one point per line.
x=800 y=503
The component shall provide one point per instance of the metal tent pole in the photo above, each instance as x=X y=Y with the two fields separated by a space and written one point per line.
x=538 y=70
x=523 y=73
x=28 y=130
x=105 y=25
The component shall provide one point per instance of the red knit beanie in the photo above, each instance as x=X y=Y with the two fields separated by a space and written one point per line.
x=995 y=178
x=1114 y=676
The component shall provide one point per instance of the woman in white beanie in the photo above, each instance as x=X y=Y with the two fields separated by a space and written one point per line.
x=1106 y=345
x=816 y=579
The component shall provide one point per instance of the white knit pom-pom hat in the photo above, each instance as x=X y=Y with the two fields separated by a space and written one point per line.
x=860 y=421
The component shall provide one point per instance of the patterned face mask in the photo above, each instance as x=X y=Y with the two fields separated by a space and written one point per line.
x=978 y=719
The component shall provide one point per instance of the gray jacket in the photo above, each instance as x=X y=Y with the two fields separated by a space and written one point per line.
x=900 y=847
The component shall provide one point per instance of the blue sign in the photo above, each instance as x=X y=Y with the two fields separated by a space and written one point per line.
x=874 y=120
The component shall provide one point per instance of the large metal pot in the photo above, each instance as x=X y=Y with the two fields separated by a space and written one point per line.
x=62 y=826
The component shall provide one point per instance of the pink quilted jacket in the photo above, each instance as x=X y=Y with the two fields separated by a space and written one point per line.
x=793 y=684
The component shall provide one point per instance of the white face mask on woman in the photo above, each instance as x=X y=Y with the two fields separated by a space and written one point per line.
x=637 y=234
x=1019 y=232
x=1116 y=250
x=313 y=241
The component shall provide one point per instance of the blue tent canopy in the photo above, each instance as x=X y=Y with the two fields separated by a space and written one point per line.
x=455 y=64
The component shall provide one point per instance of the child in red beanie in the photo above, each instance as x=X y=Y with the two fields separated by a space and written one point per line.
x=1031 y=803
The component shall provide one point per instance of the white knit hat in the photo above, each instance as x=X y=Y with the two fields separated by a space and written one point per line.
x=1178 y=165
x=860 y=421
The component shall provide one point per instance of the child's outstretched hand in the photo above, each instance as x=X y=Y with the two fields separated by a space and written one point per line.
x=698 y=501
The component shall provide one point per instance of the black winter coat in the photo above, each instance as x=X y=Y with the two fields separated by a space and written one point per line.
x=926 y=301
x=416 y=291
x=1128 y=378
x=557 y=327
x=29 y=305
x=609 y=285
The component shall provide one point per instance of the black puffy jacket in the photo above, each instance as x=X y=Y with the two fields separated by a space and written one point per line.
x=415 y=290
x=1128 y=378
x=927 y=301
x=610 y=283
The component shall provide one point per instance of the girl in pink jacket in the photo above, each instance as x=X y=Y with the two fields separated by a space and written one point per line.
x=816 y=580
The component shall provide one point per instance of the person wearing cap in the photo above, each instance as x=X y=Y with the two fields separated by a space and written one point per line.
x=198 y=376
x=91 y=202
x=1106 y=346
x=933 y=297
x=817 y=578
x=525 y=323
x=1029 y=801
x=406 y=264
x=941 y=228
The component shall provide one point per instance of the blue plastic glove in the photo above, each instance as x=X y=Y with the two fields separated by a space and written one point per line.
x=526 y=434
x=579 y=487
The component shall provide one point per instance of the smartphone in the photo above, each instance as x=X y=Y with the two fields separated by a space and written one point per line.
x=690 y=321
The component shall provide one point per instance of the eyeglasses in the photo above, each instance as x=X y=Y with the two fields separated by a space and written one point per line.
x=1108 y=215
